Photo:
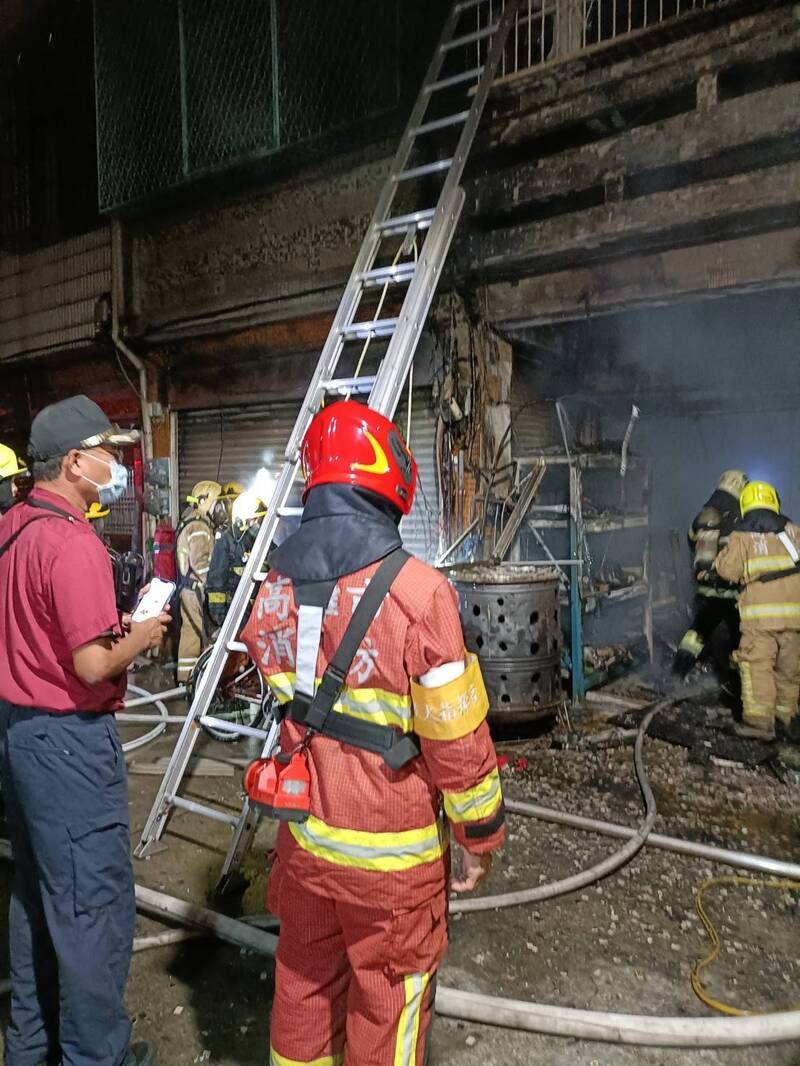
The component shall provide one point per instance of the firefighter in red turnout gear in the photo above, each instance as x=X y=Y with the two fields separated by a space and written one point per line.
x=399 y=759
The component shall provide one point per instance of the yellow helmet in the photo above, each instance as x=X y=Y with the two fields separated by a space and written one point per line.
x=97 y=510
x=247 y=507
x=732 y=481
x=758 y=494
x=10 y=464
x=231 y=490
x=204 y=495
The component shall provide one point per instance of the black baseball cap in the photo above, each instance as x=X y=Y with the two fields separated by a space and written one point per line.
x=76 y=422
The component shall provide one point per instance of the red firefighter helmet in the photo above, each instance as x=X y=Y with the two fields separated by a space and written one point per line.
x=350 y=444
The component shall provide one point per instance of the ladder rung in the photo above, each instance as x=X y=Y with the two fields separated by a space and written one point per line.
x=426 y=168
x=235 y=645
x=402 y=223
x=454 y=79
x=233 y=727
x=442 y=123
x=345 y=385
x=379 y=327
x=469 y=38
x=289 y=512
x=465 y=5
x=388 y=275
x=202 y=808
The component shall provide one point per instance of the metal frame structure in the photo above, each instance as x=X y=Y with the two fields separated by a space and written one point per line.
x=579 y=527
x=384 y=390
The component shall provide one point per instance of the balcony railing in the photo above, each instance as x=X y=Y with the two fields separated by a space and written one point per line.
x=546 y=31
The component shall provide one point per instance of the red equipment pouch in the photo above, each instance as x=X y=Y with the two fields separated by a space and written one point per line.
x=280 y=787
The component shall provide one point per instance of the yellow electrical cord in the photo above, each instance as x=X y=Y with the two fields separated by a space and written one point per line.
x=697 y=984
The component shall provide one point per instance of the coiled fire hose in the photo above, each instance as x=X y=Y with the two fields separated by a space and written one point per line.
x=599 y=870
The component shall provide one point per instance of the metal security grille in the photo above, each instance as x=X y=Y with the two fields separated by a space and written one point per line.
x=185 y=87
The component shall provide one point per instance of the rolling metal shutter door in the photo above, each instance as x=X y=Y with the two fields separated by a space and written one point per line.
x=420 y=529
x=232 y=444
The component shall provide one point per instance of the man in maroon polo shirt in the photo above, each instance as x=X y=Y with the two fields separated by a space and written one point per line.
x=64 y=651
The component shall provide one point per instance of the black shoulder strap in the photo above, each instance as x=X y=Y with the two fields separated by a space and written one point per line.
x=338 y=668
x=40 y=505
x=364 y=614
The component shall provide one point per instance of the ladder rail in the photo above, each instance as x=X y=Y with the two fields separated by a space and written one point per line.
x=368 y=251
x=396 y=362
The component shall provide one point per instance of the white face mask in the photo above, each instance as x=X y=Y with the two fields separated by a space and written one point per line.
x=115 y=486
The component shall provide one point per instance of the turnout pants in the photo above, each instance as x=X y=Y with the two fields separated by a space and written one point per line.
x=769 y=664
x=192 y=638
x=72 y=906
x=353 y=985
x=709 y=613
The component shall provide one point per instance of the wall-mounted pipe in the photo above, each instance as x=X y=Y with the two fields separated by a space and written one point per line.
x=117 y=301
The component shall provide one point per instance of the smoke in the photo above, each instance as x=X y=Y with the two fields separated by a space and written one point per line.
x=717 y=385
x=263 y=485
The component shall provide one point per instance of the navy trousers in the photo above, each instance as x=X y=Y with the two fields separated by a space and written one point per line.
x=72 y=904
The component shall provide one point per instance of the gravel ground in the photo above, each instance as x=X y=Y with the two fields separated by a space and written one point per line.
x=624 y=945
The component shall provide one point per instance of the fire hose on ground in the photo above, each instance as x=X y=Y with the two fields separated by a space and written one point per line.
x=535 y=1017
x=146 y=697
x=594 y=873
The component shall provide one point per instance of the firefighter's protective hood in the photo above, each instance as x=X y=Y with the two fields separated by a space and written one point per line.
x=343 y=529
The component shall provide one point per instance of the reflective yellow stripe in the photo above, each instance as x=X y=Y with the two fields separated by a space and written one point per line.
x=769 y=610
x=282 y=686
x=474 y=804
x=370 y=851
x=369 y=704
x=217 y=597
x=750 y=708
x=692 y=642
x=765 y=563
x=327 y=1060
x=713 y=592
x=405 y=1051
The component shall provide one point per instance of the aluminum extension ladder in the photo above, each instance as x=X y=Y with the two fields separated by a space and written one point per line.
x=477 y=24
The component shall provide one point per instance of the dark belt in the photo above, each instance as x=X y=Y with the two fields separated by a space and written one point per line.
x=395 y=748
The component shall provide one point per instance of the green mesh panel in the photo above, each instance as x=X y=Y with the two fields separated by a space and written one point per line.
x=185 y=87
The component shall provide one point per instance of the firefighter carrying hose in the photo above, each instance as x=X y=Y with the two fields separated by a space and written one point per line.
x=231 y=551
x=194 y=545
x=763 y=554
x=383 y=725
x=715 y=598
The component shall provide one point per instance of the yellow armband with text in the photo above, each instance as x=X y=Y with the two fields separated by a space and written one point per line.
x=453 y=710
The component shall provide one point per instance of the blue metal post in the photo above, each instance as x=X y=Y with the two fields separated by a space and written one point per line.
x=576 y=576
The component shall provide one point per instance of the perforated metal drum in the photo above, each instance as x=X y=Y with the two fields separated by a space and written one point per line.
x=512 y=620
